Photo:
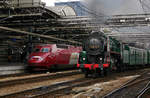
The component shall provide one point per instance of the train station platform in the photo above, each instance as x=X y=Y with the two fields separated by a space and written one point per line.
x=12 y=68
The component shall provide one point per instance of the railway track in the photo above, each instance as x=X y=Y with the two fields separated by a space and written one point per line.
x=51 y=90
x=132 y=88
x=13 y=75
x=25 y=74
x=145 y=92
x=57 y=89
x=17 y=81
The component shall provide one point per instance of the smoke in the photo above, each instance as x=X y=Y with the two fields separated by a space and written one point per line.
x=114 y=7
x=146 y=5
x=107 y=8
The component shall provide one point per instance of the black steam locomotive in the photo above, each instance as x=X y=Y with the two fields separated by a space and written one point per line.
x=102 y=53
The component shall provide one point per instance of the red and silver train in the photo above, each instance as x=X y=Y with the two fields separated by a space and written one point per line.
x=53 y=56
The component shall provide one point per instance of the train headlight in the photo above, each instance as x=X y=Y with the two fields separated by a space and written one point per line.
x=100 y=58
x=37 y=58
x=83 y=59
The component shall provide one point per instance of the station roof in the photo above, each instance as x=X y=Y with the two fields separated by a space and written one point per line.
x=63 y=10
x=48 y=24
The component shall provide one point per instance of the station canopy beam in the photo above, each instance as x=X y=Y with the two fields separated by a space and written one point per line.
x=38 y=35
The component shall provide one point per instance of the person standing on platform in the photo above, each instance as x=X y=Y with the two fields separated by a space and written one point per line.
x=10 y=54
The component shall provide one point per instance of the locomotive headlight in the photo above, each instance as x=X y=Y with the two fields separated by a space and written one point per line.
x=100 y=58
x=84 y=59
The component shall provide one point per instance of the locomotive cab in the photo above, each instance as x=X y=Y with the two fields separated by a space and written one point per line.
x=39 y=57
x=39 y=54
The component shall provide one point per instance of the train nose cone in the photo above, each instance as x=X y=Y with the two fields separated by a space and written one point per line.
x=35 y=59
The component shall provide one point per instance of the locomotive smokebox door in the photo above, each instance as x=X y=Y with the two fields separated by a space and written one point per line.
x=94 y=44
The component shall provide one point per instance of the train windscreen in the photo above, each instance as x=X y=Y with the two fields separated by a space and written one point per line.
x=45 y=50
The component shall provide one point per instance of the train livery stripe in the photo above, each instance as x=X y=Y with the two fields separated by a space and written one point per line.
x=74 y=58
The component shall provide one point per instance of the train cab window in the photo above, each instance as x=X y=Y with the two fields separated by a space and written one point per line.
x=45 y=50
x=36 y=50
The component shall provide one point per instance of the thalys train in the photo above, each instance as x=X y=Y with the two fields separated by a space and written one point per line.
x=53 y=56
x=102 y=54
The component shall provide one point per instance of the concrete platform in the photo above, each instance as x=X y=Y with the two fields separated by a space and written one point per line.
x=12 y=68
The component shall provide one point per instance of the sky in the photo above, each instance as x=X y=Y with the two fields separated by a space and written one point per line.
x=113 y=7
x=107 y=6
x=51 y=2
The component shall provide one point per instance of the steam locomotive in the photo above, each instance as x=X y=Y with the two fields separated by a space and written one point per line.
x=101 y=54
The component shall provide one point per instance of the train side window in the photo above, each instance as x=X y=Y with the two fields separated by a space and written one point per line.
x=45 y=50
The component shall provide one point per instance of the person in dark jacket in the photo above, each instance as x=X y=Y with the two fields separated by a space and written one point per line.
x=10 y=53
